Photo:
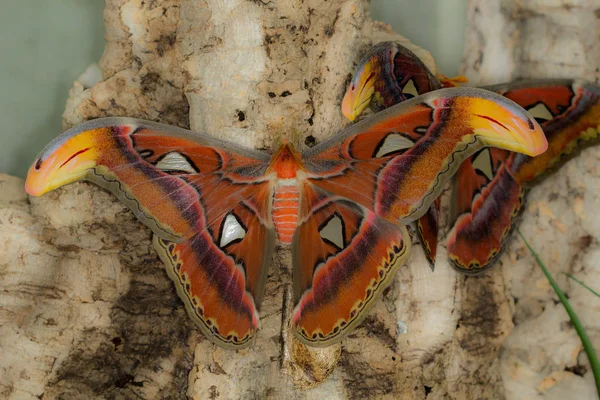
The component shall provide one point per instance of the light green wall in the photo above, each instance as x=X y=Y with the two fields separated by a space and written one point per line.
x=436 y=25
x=45 y=45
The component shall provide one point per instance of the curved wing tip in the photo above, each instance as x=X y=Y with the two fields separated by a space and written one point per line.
x=32 y=190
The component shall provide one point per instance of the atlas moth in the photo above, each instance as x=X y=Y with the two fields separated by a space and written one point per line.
x=216 y=209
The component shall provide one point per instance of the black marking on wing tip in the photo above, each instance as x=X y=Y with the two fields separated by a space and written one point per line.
x=530 y=123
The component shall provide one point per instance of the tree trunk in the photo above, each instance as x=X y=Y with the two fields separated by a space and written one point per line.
x=89 y=312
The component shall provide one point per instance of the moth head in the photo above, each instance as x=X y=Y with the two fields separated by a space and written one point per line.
x=67 y=159
x=286 y=161
x=365 y=89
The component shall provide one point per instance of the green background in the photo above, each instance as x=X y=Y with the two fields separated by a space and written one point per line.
x=46 y=45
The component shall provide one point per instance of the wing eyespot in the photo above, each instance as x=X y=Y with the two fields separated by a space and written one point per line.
x=540 y=112
x=333 y=231
x=392 y=144
x=410 y=90
x=175 y=162
x=232 y=230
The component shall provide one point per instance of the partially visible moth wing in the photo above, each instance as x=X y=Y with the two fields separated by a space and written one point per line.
x=567 y=110
x=343 y=256
x=206 y=201
x=388 y=75
x=486 y=201
x=427 y=230
x=486 y=204
x=396 y=162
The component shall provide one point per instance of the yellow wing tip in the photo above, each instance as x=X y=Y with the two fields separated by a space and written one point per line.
x=506 y=125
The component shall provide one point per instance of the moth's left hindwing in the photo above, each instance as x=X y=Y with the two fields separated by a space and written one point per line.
x=343 y=256
x=207 y=202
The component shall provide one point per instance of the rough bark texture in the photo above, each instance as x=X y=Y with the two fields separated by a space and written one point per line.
x=543 y=357
x=87 y=310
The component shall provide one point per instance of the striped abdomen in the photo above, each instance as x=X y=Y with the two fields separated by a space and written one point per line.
x=285 y=212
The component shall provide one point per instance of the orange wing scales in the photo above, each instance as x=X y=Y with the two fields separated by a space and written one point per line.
x=396 y=74
x=401 y=185
x=575 y=111
x=482 y=232
x=427 y=231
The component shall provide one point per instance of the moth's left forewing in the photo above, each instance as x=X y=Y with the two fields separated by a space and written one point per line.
x=396 y=162
x=343 y=257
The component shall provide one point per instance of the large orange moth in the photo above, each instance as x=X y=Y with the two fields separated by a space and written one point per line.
x=216 y=209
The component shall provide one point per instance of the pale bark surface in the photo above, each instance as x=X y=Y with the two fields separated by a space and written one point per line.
x=543 y=357
x=87 y=310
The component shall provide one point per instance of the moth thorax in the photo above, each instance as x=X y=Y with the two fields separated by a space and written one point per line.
x=285 y=211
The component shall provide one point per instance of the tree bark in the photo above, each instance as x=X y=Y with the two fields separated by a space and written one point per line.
x=88 y=310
